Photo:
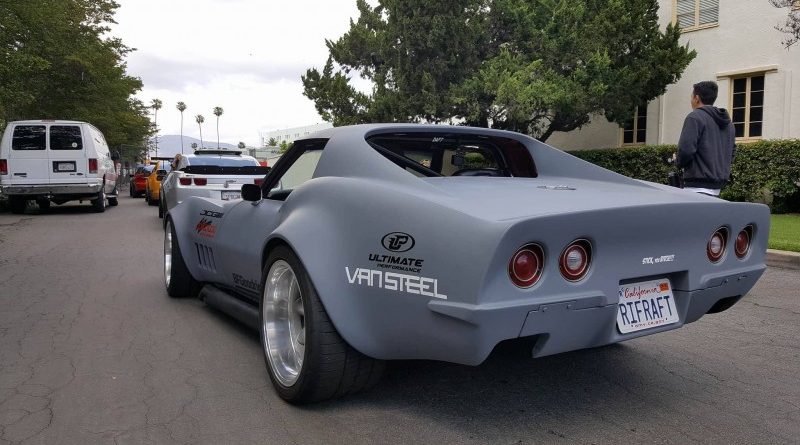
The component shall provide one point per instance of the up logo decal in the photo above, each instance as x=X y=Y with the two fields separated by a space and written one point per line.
x=398 y=242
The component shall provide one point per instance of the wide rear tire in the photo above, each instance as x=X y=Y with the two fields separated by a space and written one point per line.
x=307 y=360
x=179 y=282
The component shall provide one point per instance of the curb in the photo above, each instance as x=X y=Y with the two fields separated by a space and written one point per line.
x=783 y=259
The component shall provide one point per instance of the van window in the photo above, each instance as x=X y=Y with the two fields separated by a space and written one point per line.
x=65 y=137
x=28 y=137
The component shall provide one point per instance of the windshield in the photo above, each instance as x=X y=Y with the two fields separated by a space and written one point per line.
x=222 y=161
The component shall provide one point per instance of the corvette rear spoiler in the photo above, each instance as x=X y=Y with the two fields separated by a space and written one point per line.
x=218 y=170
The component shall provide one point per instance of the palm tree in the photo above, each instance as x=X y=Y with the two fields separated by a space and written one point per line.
x=272 y=142
x=218 y=112
x=200 y=119
x=181 y=107
x=156 y=105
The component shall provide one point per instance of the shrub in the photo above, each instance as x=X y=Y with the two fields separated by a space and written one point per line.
x=764 y=171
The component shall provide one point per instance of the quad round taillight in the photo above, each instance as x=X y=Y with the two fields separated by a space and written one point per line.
x=575 y=260
x=716 y=245
x=743 y=240
x=525 y=267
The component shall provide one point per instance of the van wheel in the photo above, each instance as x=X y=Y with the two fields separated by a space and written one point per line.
x=113 y=202
x=99 y=203
x=17 y=204
x=131 y=192
x=44 y=204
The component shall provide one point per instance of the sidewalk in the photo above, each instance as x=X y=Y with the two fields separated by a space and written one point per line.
x=783 y=259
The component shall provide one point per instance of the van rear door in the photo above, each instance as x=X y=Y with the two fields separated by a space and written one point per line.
x=27 y=160
x=67 y=155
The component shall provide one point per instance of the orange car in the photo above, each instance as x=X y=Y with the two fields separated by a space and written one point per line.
x=153 y=188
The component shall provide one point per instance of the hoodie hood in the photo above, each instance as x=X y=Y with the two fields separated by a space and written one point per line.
x=720 y=115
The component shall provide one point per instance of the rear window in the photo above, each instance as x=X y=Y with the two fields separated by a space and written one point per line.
x=65 y=137
x=146 y=170
x=222 y=161
x=444 y=154
x=28 y=137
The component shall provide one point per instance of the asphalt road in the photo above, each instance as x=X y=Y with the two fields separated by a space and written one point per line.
x=93 y=351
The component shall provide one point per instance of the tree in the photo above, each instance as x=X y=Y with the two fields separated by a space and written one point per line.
x=218 y=112
x=284 y=147
x=792 y=25
x=156 y=105
x=241 y=145
x=200 y=119
x=194 y=145
x=181 y=107
x=272 y=142
x=533 y=66
x=53 y=53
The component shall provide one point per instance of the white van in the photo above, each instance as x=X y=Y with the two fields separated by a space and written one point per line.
x=56 y=161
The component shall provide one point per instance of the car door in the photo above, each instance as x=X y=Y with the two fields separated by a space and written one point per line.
x=68 y=163
x=248 y=225
x=27 y=159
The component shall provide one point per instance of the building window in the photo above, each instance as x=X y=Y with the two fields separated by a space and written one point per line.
x=696 y=14
x=748 y=106
x=634 y=132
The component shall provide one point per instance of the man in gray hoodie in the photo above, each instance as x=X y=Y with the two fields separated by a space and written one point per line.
x=707 y=144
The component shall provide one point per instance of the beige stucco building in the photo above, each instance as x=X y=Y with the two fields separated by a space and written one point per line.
x=738 y=46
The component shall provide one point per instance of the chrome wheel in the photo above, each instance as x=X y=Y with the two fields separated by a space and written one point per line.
x=167 y=253
x=283 y=317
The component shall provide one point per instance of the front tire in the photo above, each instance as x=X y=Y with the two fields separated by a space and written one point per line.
x=179 y=282
x=307 y=359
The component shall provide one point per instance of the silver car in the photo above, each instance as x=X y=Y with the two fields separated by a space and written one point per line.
x=209 y=173
x=395 y=242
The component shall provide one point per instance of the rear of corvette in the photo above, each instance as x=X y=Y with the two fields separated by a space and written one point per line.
x=590 y=278
x=673 y=249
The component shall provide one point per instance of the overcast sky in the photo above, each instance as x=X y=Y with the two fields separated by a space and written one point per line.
x=245 y=56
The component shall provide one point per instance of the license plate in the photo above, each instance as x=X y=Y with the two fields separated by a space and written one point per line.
x=227 y=196
x=65 y=166
x=646 y=305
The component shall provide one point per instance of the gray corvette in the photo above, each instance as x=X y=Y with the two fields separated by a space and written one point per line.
x=391 y=242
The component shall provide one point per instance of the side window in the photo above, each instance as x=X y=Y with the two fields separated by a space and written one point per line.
x=65 y=137
x=28 y=137
x=301 y=171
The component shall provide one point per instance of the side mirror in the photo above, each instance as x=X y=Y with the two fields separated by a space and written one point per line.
x=251 y=192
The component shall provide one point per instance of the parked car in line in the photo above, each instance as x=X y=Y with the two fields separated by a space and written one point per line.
x=210 y=173
x=56 y=161
x=396 y=242
x=152 y=192
x=138 y=184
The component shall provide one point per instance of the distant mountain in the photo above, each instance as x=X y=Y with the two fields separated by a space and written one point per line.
x=170 y=144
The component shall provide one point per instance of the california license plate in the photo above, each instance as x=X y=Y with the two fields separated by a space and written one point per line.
x=646 y=305
x=65 y=166
x=228 y=196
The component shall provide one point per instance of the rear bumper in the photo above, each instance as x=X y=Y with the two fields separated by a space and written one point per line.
x=51 y=189
x=578 y=322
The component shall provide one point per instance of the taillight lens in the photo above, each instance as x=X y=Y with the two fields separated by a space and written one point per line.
x=92 y=165
x=575 y=260
x=185 y=181
x=258 y=181
x=743 y=240
x=716 y=245
x=200 y=181
x=525 y=267
x=3 y=167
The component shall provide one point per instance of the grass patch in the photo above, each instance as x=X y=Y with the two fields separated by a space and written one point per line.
x=784 y=232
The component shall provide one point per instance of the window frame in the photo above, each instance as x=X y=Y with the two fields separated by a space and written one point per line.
x=635 y=129
x=747 y=105
x=697 y=26
x=286 y=161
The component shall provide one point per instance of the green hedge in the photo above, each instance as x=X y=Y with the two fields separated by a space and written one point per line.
x=764 y=171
